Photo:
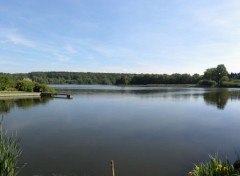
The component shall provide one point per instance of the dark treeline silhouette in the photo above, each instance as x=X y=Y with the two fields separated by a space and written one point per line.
x=108 y=78
x=234 y=75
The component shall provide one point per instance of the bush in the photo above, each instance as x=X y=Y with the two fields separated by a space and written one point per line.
x=43 y=88
x=25 y=85
x=207 y=83
x=29 y=86
x=230 y=84
x=224 y=78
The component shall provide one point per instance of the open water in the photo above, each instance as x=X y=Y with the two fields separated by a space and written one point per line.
x=147 y=131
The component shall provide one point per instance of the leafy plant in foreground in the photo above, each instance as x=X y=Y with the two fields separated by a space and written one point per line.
x=215 y=167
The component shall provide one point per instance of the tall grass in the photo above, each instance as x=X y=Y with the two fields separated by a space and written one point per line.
x=9 y=153
x=215 y=167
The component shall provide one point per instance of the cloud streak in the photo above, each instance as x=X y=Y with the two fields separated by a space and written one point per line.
x=19 y=40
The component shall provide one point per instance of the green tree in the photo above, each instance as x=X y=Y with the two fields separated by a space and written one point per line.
x=25 y=85
x=6 y=83
x=195 y=78
x=221 y=71
x=210 y=74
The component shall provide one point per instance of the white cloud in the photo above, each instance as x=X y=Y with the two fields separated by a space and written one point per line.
x=19 y=40
x=11 y=35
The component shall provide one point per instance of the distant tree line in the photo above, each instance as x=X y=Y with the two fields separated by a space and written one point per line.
x=218 y=76
x=108 y=78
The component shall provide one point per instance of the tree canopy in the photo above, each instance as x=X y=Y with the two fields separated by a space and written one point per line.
x=10 y=83
x=216 y=76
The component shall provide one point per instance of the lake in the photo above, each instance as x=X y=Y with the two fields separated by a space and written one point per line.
x=147 y=131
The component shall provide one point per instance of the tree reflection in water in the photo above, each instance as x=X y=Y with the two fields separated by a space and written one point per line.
x=220 y=98
x=7 y=104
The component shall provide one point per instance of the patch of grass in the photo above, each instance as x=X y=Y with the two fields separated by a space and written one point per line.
x=215 y=167
x=12 y=92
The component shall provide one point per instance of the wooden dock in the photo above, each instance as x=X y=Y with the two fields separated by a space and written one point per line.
x=56 y=95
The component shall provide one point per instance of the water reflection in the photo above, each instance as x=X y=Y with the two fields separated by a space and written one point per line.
x=220 y=98
x=216 y=97
x=7 y=104
x=146 y=131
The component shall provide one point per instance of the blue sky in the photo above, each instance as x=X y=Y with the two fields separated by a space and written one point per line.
x=129 y=36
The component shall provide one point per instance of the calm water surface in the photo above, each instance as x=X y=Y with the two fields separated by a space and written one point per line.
x=147 y=131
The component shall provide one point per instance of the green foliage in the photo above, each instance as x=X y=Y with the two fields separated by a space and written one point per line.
x=110 y=78
x=216 y=74
x=210 y=74
x=124 y=80
x=221 y=72
x=43 y=88
x=12 y=83
x=6 y=83
x=234 y=76
x=25 y=85
x=219 y=75
x=207 y=83
x=215 y=167
x=9 y=153
x=224 y=78
x=230 y=84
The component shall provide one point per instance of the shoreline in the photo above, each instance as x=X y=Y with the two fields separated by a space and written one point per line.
x=19 y=94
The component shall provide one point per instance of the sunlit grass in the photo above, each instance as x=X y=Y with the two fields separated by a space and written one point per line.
x=215 y=167
x=6 y=92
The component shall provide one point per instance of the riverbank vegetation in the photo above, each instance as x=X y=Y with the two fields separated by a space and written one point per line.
x=219 y=77
x=212 y=77
x=9 y=83
x=9 y=153
x=216 y=167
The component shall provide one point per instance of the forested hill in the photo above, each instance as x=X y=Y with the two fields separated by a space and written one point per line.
x=217 y=76
x=108 y=78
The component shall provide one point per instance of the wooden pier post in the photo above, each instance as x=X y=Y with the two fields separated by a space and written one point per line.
x=112 y=168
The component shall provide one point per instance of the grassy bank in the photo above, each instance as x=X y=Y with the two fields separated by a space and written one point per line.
x=19 y=94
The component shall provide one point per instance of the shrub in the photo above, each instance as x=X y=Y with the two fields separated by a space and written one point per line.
x=43 y=88
x=29 y=86
x=230 y=84
x=207 y=83
x=224 y=78
x=25 y=85
x=40 y=87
